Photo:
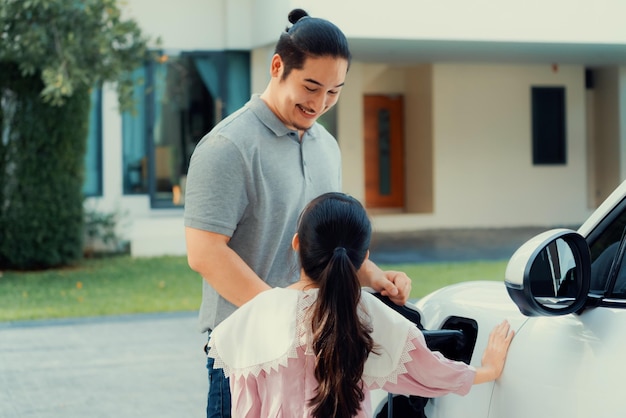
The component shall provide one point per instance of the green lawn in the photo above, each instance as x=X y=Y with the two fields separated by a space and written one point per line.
x=123 y=285
x=432 y=276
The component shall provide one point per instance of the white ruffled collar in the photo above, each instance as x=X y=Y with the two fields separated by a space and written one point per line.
x=262 y=335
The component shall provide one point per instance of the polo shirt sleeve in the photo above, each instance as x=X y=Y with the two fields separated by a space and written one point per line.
x=215 y=194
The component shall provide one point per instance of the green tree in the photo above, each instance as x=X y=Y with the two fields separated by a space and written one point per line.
x=52 y=53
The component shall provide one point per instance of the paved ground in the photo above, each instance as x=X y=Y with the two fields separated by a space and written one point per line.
x=450 y=245
x=121 y=367
x=152 y=365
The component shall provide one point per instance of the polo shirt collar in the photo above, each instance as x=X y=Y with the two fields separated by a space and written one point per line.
x=269 y=119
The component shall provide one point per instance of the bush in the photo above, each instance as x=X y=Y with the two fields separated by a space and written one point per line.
x=52 y=52
x=101 y=235
x=42 y=148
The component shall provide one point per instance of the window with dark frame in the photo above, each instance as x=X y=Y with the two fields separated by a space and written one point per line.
x=178 y=98
x=548 y=125
x=92 y=183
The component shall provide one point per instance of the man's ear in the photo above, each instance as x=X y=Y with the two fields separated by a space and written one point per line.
x=277 y=66
x=295 y=242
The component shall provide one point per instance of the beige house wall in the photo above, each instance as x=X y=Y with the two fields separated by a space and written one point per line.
x=469 y=145
x=606 y=146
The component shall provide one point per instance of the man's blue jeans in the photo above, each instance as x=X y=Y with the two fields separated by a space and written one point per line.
x=218 y=402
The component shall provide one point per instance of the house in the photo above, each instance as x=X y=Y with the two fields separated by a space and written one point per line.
x=455 y=114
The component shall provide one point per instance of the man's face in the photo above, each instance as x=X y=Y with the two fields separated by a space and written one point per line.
x=306 y=94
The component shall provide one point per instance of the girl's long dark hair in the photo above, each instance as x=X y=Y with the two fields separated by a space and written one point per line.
x=334 y=234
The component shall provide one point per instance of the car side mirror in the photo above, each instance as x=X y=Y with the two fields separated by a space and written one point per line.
x=550 y=274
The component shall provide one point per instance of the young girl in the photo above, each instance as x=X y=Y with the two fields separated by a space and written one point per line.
x=317 y=348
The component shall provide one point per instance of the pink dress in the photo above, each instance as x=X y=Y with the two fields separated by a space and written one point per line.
x=265 y=349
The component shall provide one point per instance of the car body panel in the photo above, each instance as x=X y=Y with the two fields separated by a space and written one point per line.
x=555 y=366
x=603 y=210
x=566 y=366
x=469 y=300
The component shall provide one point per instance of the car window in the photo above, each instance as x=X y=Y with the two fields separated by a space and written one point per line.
x=619 y=289
x=604 y=249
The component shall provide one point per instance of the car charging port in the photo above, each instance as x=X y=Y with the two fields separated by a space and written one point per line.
x=456 y=339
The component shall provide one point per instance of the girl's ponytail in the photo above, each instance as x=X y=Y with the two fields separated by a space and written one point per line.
x=334 y=236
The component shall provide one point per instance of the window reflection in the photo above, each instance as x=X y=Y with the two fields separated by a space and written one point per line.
x=384 y=152
x=178 y=100
x=553 y=276
x=604 y=249
x=134 y=155
x=92 y=185
x=183 y=114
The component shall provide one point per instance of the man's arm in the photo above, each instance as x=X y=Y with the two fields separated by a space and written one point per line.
x=396 y=285
x=208 y=253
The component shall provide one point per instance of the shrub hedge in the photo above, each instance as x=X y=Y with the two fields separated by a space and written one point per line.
x=42 y=150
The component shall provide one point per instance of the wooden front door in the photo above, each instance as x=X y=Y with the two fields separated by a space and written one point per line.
x=384 y=154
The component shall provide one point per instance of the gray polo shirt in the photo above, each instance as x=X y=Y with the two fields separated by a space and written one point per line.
x=249 y=179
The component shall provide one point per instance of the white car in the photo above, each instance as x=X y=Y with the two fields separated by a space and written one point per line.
x=564 y=294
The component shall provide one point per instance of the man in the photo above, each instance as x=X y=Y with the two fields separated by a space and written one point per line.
x=252 y=175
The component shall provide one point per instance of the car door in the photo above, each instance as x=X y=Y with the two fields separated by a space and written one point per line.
x=563 y=367
x=573 y=365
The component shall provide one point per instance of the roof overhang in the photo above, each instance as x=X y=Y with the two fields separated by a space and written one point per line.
x=403 y=51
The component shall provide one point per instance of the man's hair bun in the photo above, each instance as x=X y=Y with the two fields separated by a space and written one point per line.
x=296 y=14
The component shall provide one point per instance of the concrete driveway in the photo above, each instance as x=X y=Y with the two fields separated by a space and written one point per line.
x=116 y=367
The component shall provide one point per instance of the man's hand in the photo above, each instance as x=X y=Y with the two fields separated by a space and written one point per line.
x=396 y=285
